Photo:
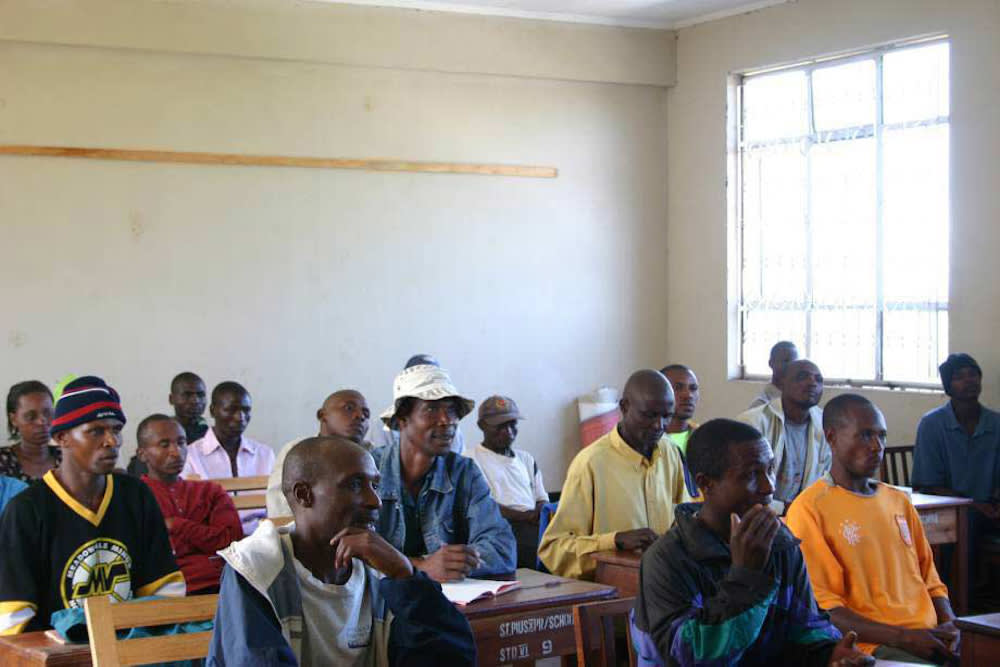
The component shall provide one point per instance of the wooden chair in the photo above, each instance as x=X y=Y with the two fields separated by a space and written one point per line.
x=897 y=464
x=238 y=486
x=104 y=618
x=594 y=627
x=257 y=483
x=250 y=501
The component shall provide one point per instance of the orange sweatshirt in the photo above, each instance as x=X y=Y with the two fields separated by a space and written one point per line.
x=868 y=554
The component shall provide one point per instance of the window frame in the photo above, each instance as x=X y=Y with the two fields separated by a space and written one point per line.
x=875 y=130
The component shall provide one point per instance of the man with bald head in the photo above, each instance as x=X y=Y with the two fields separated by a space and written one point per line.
x=327 y=589
x=344 y=413
x=621 y=490
x=783 y=353
x=793 y=424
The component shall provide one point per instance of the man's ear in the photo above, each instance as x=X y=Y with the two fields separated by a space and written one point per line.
x=140 y=453
x=302 y=493
x=319 y=415
x=830 y=434
x=623 y=406
x=61 y=437
x=704 y=482
x=211 y=410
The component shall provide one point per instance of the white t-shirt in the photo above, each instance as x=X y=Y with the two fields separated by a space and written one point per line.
x=515 y=481
x=791 y=470
x=336 y=620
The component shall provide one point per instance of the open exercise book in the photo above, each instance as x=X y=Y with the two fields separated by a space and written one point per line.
x=469 y=590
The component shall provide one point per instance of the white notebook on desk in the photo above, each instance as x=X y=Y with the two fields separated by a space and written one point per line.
x=469 y=590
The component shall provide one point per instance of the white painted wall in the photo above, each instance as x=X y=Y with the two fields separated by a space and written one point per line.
x=697 y=237
x=297 y=282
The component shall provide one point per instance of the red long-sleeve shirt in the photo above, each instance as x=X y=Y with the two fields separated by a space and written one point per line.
x=203 y=520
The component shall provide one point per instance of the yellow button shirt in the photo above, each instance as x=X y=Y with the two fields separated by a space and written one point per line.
x=609 y=488
x=868 y=554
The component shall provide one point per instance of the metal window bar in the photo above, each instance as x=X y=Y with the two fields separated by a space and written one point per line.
x=875 y=130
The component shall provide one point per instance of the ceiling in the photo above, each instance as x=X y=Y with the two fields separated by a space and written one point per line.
x=635 y=13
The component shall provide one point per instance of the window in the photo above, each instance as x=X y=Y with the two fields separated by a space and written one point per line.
x=842 y=214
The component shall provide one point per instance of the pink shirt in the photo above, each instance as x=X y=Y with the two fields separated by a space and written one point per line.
x=208 y=460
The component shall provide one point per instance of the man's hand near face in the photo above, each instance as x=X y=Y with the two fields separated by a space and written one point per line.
x=367 y=545
x=751 y=537
x=452 y=562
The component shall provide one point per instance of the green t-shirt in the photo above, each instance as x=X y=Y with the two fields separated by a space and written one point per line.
x=681 y=440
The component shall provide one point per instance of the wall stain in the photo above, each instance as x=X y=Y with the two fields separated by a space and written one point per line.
x=369 y=103
x=136 y=226
x=17 y=338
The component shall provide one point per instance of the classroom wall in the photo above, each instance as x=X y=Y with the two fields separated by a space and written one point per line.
x=297 y=282
x=698 y=236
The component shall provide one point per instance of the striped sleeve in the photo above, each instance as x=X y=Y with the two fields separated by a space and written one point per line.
x=697 y=642
x=15 y=615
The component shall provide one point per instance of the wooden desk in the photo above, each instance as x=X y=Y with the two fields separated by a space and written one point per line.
x=945 y=520
x=34 y=649
x=535 y=621
x=980 y=639
x=619 y=569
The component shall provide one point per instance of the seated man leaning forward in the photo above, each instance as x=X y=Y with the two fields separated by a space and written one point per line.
x=728 y=585
x=344 y=413
x=793 y=425
x=513 y=475
x=326 y=589
x=82 y=531
x=200 y=516
x=437 y=507
x=869 y=561
x=621 y=490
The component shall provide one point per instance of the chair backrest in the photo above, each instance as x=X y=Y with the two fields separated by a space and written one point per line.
x=897 y=462
x=594 y=627
x=239 y=486
x=104 y=618
x=250 y=501
x=544 y=516
x=256 y=483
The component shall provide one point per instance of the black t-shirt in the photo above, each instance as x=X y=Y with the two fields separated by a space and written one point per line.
x=56 y=552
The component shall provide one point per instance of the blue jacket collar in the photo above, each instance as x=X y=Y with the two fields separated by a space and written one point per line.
x=392 y=474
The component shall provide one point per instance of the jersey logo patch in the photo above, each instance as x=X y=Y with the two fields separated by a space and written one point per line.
x=100 y=567
x=904 y=530
x=851 y=532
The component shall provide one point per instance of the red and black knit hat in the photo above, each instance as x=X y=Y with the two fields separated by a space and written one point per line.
x=83 y=400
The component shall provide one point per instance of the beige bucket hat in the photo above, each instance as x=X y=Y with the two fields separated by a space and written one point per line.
x=428 y=383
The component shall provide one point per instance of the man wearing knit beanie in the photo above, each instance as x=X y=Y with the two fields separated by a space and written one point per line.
x=83 y=531
x=958 y=449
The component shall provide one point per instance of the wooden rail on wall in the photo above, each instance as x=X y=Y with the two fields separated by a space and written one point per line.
x=236 y=159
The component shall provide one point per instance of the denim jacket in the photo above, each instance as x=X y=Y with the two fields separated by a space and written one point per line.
x=455 y=508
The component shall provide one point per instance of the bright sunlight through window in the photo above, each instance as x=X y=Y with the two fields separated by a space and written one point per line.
x=843 y=214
